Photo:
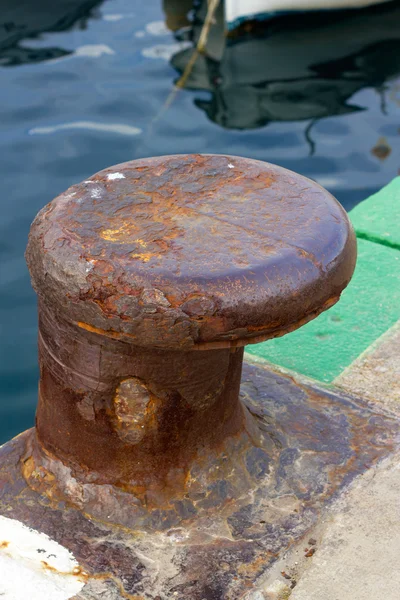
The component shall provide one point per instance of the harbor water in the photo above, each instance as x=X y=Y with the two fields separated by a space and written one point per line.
x=85 y=84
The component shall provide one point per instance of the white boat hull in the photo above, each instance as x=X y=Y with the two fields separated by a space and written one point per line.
x=237 y=11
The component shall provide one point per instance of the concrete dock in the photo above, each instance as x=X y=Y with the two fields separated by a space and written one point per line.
x=352 y=554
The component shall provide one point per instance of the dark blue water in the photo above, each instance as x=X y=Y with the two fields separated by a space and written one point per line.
x=84 y=85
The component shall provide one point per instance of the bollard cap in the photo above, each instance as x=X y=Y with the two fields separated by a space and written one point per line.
x=191 y=252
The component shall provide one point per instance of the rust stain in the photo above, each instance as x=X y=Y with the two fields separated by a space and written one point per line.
x=114 y=334
x=252 y=569
x=134 y=408
x=255 y=334
x=116 y=580
x=122 y=235
x=4 y=544
x=77 y=572
x=144 y=256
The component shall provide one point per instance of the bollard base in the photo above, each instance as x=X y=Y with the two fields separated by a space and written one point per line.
x=314 y=442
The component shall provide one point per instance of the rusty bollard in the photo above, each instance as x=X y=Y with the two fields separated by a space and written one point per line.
x=151 y=278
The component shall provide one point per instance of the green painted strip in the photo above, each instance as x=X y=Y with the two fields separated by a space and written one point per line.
x=370 y=305
x=378 y=218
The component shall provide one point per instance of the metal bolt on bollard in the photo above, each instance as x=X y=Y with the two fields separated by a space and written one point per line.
x=146 y=467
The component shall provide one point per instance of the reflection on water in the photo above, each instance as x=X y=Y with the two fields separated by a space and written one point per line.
x=115 y=128
x=87 y=84
x=22 y=19
x=303 y=68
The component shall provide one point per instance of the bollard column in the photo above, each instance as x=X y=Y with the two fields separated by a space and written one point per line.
x=127 y=415
x=146 y=462
x=151 y=277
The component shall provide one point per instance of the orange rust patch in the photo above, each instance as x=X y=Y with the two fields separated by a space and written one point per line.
x=4 y=544
x=252 y=569
x=109 y=333
x=265 y=331
x=134 y=409
x=77 y=572
x=123 y=593
x=122 y=234
x=144 y=257
x=141 y=243
x=41 y=480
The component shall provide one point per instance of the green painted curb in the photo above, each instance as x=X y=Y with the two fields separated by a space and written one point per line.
x=323 y=348
x=378 y=218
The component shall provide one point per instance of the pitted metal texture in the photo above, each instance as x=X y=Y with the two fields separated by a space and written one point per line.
x=189 y=251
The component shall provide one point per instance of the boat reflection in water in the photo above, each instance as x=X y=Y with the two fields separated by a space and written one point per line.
x=21 y=19
x=303 y=67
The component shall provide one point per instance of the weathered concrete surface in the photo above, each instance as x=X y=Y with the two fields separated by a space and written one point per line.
x=306 y=445
x=375 y=374
x=358 y=558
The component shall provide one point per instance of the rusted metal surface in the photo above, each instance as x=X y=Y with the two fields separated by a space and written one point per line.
x=215 y=545
x=133 y=417
x=144 y=461
x=186 y=251
x=136 y=269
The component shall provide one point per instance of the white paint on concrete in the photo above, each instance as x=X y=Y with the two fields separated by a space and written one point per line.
x=34 y=566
